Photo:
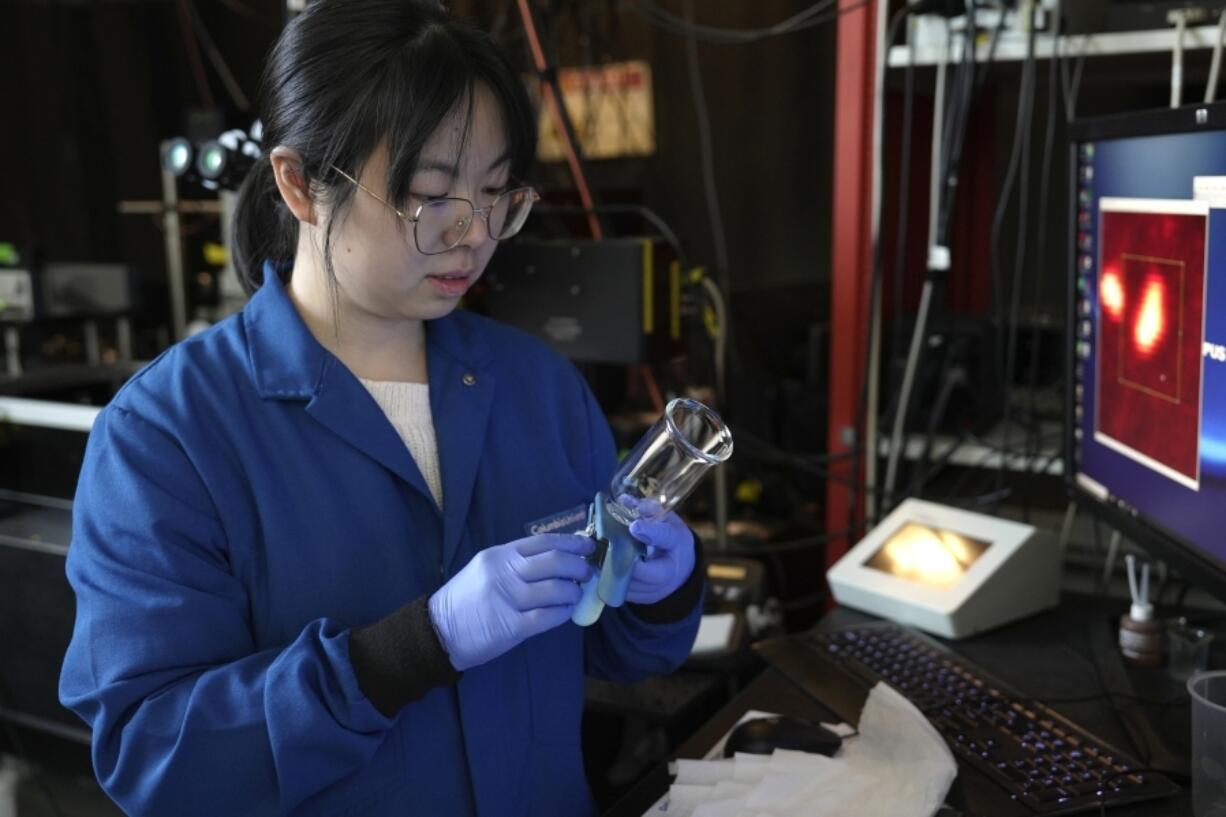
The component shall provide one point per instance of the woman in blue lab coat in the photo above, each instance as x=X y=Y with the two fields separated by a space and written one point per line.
x=307 y=546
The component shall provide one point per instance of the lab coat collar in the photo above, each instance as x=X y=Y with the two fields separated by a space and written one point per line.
x=288 y=363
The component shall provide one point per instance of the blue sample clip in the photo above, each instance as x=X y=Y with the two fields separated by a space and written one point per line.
x=614 y=557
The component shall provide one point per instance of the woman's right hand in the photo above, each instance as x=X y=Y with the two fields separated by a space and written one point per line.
x=509 y=593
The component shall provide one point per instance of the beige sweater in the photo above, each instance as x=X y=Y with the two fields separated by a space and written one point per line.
x=407 y=406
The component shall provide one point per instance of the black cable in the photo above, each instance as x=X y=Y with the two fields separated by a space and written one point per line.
x=1002 y=205
x=1071 y=85
x=992 y=44
x=815 y=15
x=943 y=460
x=706 y=152
x=994 y=496
x=949 y=157
x=1102 y=683
x=1107 y=694
x=957 y=122
x=955 y=378
x=1049 y=139
x=1096 y=536
x=730 y=360
x=548 y=75
x=876 y=274
x=686 y=27
x=769 y=457
x=220 y=67
x=967 y=82
x=955 y=131
x=953 y=110
x=815 y=469
x=974 y=466
x=192 y=47
x=1172 y=579
x=989 y=499
x=1041 y=463
x=904 y=190
x=788 y=547
x=1183 y=594
x=1021 y=156
x=752 y=439
x=649 y=215
x=904 y=195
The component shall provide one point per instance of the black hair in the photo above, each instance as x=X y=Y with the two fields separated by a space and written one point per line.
x=346 y=75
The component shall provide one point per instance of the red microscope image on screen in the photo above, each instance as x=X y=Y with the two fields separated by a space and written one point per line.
x=1151 y=289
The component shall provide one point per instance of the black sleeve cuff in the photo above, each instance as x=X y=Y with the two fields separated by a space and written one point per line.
x=399 y=658
x=682 y=601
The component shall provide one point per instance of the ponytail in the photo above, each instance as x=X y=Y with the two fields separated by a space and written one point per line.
x=262 y=227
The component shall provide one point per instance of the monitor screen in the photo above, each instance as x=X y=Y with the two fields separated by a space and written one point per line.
x=1148 y=321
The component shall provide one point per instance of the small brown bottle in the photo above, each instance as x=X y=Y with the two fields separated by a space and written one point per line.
x=1141 y=636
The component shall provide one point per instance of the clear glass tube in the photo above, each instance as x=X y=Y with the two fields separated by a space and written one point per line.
x=668 y=461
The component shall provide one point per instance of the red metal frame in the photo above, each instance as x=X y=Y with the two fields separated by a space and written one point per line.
x=852 y=252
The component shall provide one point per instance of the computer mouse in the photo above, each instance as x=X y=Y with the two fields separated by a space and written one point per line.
x=761 y=736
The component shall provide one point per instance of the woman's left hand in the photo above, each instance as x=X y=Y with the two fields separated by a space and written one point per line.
x=669 y=560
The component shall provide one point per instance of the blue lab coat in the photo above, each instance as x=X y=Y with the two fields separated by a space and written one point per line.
x=244 y=503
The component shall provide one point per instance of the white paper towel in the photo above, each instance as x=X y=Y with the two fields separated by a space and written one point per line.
x=896 y=746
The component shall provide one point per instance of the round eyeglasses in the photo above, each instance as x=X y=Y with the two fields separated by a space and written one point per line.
x=441 y=224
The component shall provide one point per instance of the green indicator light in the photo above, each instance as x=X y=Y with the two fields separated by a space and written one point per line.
x=179 y=156
x=212 y=160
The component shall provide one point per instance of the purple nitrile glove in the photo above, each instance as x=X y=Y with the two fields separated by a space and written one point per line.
x=669 y=560
x=509 y=593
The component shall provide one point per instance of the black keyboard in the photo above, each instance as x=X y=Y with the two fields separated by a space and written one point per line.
x=1044 y=761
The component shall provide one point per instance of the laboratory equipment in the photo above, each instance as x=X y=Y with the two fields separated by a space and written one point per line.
x=948 y=571
x=661 y=470
x=1145 y=444
x=1208 y=691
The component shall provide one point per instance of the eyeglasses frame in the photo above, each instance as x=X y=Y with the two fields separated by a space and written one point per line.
x=415 y=217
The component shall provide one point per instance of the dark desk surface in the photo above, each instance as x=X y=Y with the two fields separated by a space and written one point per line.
x=1064 y=653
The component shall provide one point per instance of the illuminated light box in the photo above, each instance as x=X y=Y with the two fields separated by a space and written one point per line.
x=948 y=571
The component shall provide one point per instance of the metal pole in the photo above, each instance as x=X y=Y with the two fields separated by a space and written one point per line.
x=174 y=254
x=123 y=337
x=851 y=255
x=12 y=350
x=93 y=347
x=230 y=290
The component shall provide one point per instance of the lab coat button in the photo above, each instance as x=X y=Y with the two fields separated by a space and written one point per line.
x=469 y=378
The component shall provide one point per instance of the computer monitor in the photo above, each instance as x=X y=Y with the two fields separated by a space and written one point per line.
x=1145 y=440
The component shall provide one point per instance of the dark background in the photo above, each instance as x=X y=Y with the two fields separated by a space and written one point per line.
x=89 y=88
